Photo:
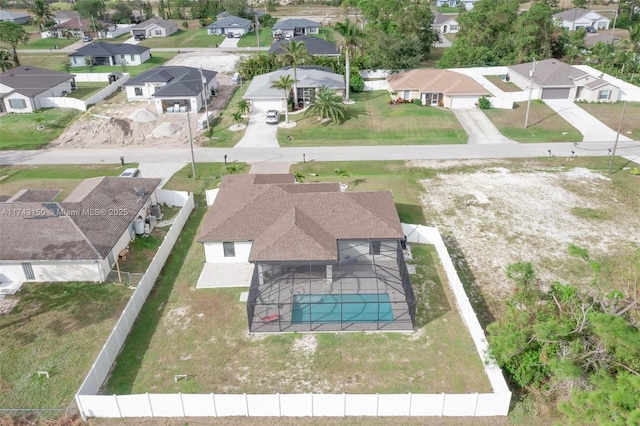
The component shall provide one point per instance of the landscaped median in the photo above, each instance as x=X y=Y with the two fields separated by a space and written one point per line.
x=371 y=120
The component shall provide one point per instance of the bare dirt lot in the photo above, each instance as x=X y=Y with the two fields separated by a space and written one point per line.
x=116 y=122
x=502 y=212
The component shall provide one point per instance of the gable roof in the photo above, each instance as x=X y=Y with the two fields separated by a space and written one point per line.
x=314 y=45
x=293 y=23
x=549 y=72
x=34 y=195
x=109 y=49
x=7 y=15
x=260 y=86
x=81 y=24
x=575 y=14
x=66 y=14
x=180 y=80
x=230 y=21
x=153 y=22
x=428 y=80
x=78 y=228
x=30 y=81
x=440 y=19
x=296 y=222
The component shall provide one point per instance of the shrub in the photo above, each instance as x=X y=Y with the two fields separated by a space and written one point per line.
x=484 y=103
x=356 y=83
x=185 y=24
x=417 y=101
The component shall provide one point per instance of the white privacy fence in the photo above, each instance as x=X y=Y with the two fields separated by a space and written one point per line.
x=371 y=85
x=172 y=198
x=293 y=405
x=110 y=89
x=87 y=77
x=98 y=372
x=80 y=104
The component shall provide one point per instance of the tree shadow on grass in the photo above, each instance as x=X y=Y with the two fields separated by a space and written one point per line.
x=354 y=112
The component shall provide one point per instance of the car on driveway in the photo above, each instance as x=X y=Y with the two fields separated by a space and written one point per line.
x=273 y=116
x=129 y=173
x=591 y=30
x=139 y=37
x=87 y=39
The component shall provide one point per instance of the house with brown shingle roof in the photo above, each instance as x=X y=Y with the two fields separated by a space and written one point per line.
x=436 y=87
x=76 y=239
x=307 y=243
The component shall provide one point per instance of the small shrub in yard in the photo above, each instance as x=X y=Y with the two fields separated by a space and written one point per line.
x=635 y=171
x=356 y=83
x=484 y=103
x=417 y=102
x=185 y=24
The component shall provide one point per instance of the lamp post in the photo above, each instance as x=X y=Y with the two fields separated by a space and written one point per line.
x=532 y=73
x=204 y=98
x=193 y=160
x=615 y=145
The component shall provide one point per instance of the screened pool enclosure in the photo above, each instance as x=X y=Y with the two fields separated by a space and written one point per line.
x=367 y=289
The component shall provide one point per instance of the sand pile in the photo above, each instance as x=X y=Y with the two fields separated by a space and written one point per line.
x=165 y=130
x=143 y=115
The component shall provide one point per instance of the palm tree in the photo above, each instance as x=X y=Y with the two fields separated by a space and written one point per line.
x=5 y=60
x=342 y=174
x=237 y=116
x=327 y=105
x=295 y=53
x=285 y=83
x=351 y=40
x=243 y=106
x=41 y=13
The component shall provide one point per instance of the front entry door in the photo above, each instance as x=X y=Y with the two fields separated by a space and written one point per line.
x=434 y=99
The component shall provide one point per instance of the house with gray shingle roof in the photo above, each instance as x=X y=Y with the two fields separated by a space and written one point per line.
x=17 y=17
x=230 y=25
x=315 y=46
x=23 y=88
x=76 y=239
x=154 y=27
x=445 y=24
x=173 y=89
x=263 y=97
x=575 y=18
x=110 y=54
x=293 y=27
x=303 y=241
x=553 y=79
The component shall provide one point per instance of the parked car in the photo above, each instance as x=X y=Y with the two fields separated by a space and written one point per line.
x=238 y=35
x=131 y=173
x=590 y=30
x=273 y=116
x=229 y=35
x=139 y=37
x=288 y=36
x=87 y=39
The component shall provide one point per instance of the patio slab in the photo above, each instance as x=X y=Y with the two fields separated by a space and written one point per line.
x=219 y=275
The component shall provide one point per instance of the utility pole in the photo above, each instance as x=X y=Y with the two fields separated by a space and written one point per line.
x=257 y=31
x=532 y=73
x=615 y=145
x=204 y=98
x=193 y=160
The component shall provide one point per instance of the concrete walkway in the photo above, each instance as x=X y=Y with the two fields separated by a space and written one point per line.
x=259 y=134
x=479 y=128
x=591 y=128
x=264 y=168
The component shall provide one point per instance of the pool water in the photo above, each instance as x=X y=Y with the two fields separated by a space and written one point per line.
x=332 y=308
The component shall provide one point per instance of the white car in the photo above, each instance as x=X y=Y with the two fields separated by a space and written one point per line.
x=273 y=116
x=131 y=173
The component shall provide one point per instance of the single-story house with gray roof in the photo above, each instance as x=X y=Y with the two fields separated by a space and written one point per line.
x=76 y=239
x=263 y=97
x=553 y=79
x=292 y=27
x=445 y=24
x=22 y=88
x=230 y=25
x=110 y=54
x=308 y=247
x=173 y=89
x=154 y=27
x=575 y=18
x=16 y=17
x=315 y=46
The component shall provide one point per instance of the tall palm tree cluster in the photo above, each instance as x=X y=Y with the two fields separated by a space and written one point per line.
x=621 y=59
x=42 y=14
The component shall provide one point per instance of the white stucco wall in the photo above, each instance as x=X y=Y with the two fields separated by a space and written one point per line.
x=29 y=107
x=58 y=271
x=214 y=252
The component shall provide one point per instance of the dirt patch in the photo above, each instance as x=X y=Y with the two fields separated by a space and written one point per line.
x=497 y=216
x=7 y=305
x=116 y=122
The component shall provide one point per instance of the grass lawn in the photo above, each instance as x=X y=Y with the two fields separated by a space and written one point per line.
x=206 y=329
x=184 y=38
x=610 y=115
x=505 y=86
x=59 y=328
x=65 y=178
x=48 y=43
x=87 y=89
x=222 y=137
x=545 y=125
x=157 y=59
x=142 y=251
x=21 y=130
x=434 y=56
x=50 y=61
x=372 y=121
x=251 y=40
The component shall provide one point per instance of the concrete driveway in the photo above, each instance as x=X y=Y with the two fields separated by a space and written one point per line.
x=259 y=134
x=479 y=128
x=229 y=42
x=131 y=40
x=163 y=171
x=591 y=128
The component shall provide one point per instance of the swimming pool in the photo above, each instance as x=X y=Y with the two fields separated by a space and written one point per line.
x=332 y=308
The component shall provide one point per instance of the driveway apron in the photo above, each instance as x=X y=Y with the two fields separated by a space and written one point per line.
x=591 y=128
x=479 y=128
x=258 y=133
x=229 y=42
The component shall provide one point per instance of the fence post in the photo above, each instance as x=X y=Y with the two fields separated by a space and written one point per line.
x=377 y=404
x=344 y=403
x=115 y=398
x=150 y=407
x=444 y=397
x=215 y=410
x=246 y=403
x=79 y=404
x=311 y=404
x=475 y=409
x=280 y=406
x=410 y=403
x=182 y=404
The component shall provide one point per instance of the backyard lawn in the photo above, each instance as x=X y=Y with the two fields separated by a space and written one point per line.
x=207 y=329
x=545 y=125
x=86 y=89
x=505 y=86
x=58 y=328
x=610 y=115
x=372 y=121
x=21 y=130
x=184 y=38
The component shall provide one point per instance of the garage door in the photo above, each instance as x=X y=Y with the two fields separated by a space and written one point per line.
x=265 y=105
x=458 y=102
x=555 y=93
